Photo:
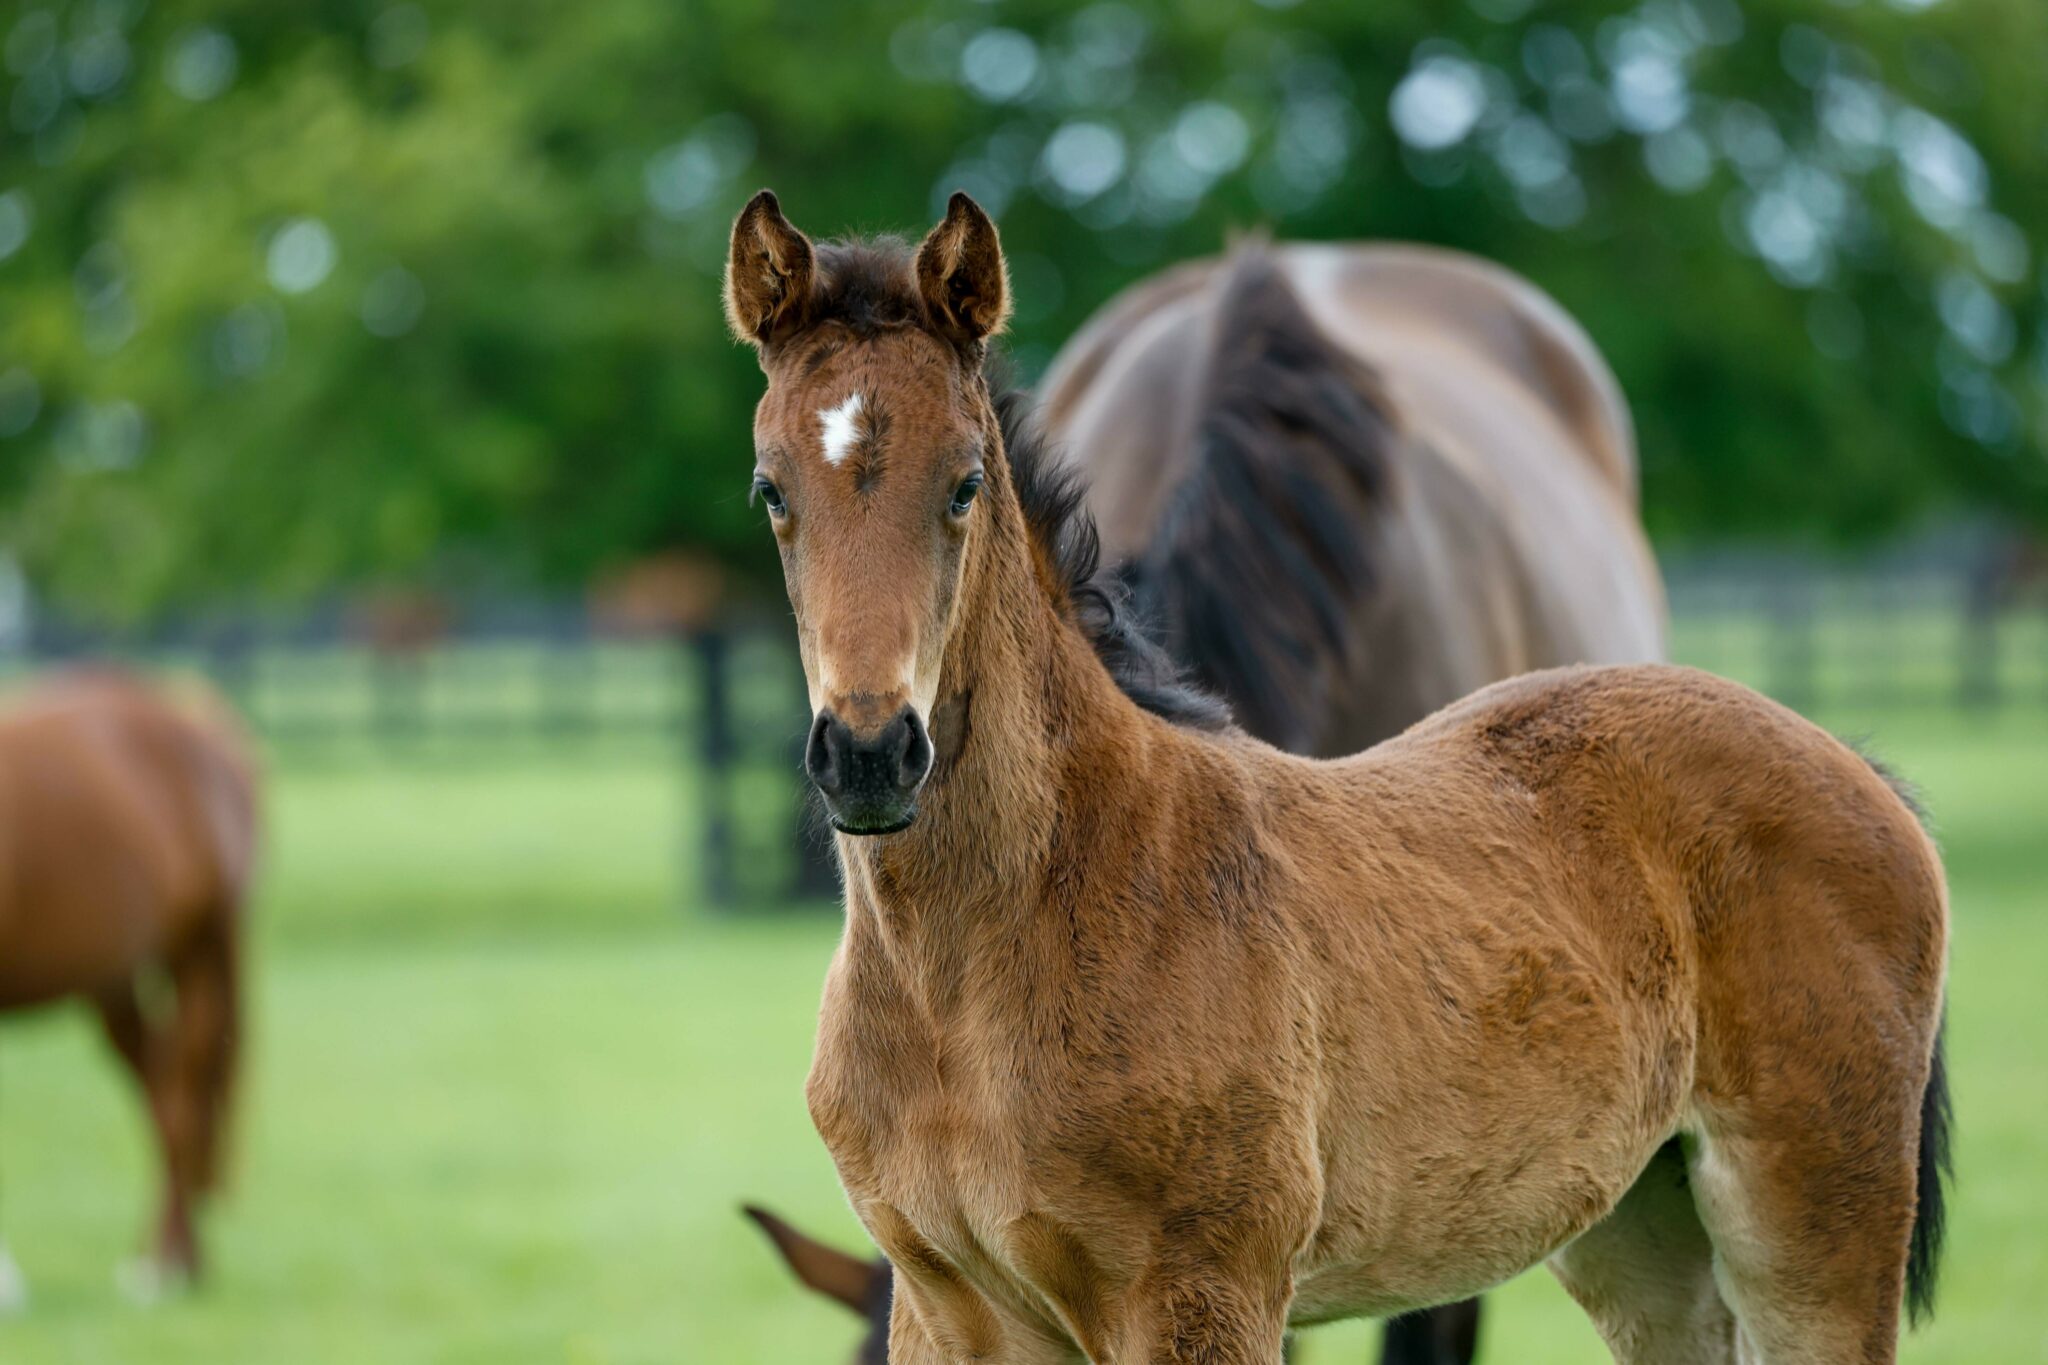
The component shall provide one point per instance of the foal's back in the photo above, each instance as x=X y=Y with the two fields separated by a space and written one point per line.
x=126 y=821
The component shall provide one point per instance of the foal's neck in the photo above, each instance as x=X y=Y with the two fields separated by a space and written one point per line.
x=1031 y=732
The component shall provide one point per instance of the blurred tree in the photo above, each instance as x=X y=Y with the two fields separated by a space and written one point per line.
x=339 y=292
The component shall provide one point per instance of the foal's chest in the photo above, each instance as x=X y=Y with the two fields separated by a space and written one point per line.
x=934 y=1157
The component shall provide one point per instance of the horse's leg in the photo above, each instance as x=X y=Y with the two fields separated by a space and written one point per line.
x=142 y=1049
x=909 y=1344
x=1197 y=1320
x=13 y=1284
x=127 y=1030
x=198 y=1066
x=1645 y=1275
x=918 y=1339
x=215 y=1044
x=1810 y=1220
x=1445 y=1335
x=185 y=1064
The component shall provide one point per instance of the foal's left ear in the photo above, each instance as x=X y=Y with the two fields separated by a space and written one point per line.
x=961 y=274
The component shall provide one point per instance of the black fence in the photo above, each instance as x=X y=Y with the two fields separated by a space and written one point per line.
x=1966 y=629
x=728 y=703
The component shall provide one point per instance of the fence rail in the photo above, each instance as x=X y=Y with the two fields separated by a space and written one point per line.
x=728 y=704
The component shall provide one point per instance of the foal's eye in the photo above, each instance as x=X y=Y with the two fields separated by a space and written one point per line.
x=963 y=496
x=767 y=492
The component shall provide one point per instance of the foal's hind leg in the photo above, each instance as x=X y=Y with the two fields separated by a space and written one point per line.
x=1645 y=1275
x=1810 y=1225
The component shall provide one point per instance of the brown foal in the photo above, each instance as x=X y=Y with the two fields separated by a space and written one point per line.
x=127 y=835
x=1146 y=1040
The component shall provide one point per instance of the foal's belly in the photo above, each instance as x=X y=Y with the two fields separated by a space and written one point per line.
x=1492 y=1238
x=1506 y=1158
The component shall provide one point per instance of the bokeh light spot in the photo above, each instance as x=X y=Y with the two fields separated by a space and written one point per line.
x=393 y=302
x=202 y=64
x=17 y=217
x=302 y=254
x=1083 y=158
x=1437 y=104
x=999 y=64
x=21 y=398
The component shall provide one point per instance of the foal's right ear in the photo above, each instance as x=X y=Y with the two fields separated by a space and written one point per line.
x=768 y=274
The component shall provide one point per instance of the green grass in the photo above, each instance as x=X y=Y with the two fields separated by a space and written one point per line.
x=507 y=1088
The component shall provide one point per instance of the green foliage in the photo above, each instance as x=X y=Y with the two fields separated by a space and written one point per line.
x=294 y=297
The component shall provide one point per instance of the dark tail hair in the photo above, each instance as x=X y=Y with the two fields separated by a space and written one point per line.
x=1937 y=1167
x=1937 y=1117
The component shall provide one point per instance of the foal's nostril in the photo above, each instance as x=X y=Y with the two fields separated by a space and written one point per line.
x=916 y=759
x=821 y=755
x=869 y=783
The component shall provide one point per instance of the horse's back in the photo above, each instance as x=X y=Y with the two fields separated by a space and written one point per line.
x=127 y=820
x=1483 y=480
x=1521 y=452
x=1396 y=302
x=1394 y=305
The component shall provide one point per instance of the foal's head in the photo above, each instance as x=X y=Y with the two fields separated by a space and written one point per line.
x=872 y=447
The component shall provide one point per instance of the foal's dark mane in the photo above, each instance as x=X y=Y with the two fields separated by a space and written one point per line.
x=1054 y=497
x=869 y=286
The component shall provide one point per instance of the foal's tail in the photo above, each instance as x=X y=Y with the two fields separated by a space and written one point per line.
x=1937 y=1115
x=1937 y=1166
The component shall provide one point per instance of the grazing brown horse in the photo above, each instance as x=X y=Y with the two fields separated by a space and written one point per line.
x=127 y=836
x=1334 y=477
x=1146 y=1039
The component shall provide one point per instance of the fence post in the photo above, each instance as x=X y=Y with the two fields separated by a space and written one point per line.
x=1791 y=647
x=568 y=682
x=231 y=663
x=715 y=744
x=1977 y=672
x=397 y=679
x=814 y=872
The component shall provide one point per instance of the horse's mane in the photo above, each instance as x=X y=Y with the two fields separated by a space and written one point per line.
x=868 y=285
x=1255 y=571
x=1054 y=497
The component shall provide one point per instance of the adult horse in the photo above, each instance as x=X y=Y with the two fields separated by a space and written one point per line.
x=1348 y=485
x=127 y=835
x=1351 y=483
x=1146 y=1039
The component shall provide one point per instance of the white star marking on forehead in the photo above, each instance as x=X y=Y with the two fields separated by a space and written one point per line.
x=839 y=424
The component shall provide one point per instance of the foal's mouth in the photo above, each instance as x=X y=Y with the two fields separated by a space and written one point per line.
x=899 y=824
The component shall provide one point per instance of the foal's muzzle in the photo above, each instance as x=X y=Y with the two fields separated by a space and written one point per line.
x=870 y=784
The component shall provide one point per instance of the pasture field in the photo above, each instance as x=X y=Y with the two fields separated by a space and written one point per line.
x=508 y=1087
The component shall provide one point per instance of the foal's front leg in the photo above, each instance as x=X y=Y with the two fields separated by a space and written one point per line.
x=909 y=1343
x=913 y=1342
x=1212 y=1320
